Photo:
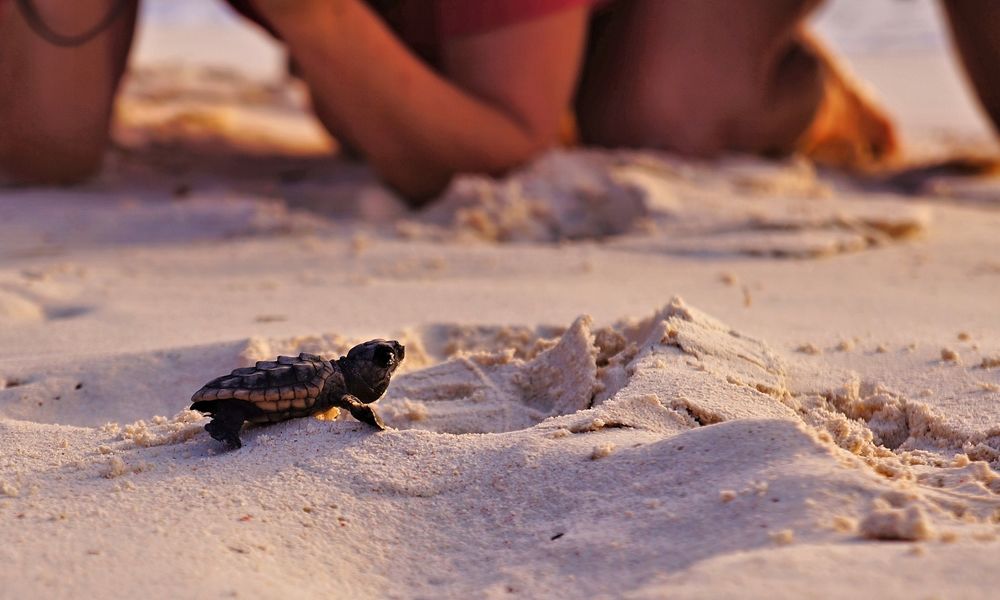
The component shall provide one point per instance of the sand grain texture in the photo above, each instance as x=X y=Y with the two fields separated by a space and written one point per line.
x=627 y=375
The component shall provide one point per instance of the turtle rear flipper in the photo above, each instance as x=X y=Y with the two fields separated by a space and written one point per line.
x=227 y=420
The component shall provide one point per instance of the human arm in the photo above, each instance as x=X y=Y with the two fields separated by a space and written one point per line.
x=497 y=102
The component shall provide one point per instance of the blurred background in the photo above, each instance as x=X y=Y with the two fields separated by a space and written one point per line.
x=901 y=47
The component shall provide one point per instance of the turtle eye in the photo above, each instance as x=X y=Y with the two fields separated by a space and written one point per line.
x=384 y=356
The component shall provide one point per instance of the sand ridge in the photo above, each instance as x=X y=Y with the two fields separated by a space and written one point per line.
x=703 y=431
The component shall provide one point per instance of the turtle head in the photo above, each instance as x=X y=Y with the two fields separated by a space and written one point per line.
x=369 y=367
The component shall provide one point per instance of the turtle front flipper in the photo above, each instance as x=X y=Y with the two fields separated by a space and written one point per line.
x=227 y=421
x=361 y=411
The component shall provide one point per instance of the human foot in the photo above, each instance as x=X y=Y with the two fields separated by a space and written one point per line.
x=850 y=129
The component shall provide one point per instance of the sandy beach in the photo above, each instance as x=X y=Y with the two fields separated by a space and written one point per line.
x=628 y=375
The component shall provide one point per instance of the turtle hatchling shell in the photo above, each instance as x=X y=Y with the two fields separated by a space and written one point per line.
x=279 y=387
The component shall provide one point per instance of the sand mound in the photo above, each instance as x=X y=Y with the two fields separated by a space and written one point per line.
x=478 y=379
x=493 y=392
x=596 y=449
x=688 y=360
x=725 y=490
x=562 y=196
x=916 y=568
x=757 y=208
x=733 y=206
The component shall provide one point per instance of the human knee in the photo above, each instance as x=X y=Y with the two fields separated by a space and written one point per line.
x=755 y=106
x=784 y=102
x=761 y=102
x=686 y=112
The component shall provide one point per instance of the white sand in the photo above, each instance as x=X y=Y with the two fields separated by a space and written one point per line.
x=595 y=402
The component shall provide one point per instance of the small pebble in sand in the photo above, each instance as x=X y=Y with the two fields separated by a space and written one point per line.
x=964 y=336
x=602 y=450
x=115 y=468
x=589 y=426
x=359 y=243
x=960 y=460
x=727 y=495
x=990 y=362
x=845 y=524
x=414 y=411
x=747 y=298
x=782 y=537
x=728 y=278
x=9 y=489
x=845 y=346
x=435 y=263
x=881 y=349
x=926 y=393
x=949 y=355
x=270 y=318
x=9 y=383
x=809 y=349
x=909 y=524
x=911 y=347
x=104 y=449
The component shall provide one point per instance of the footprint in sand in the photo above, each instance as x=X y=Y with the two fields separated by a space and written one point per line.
x=22 y=306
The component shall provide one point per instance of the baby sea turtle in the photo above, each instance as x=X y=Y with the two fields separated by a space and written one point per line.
x=286 y=388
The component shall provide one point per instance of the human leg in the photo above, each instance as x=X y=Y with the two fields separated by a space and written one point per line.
x=705 y=76
x=975 y=27
x=55 y=102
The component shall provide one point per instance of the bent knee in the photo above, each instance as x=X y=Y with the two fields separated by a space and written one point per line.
x=681 y=120
x=706 y=112
x=786 y=104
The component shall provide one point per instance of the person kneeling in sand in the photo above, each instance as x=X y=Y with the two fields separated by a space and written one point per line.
x=424 y=89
